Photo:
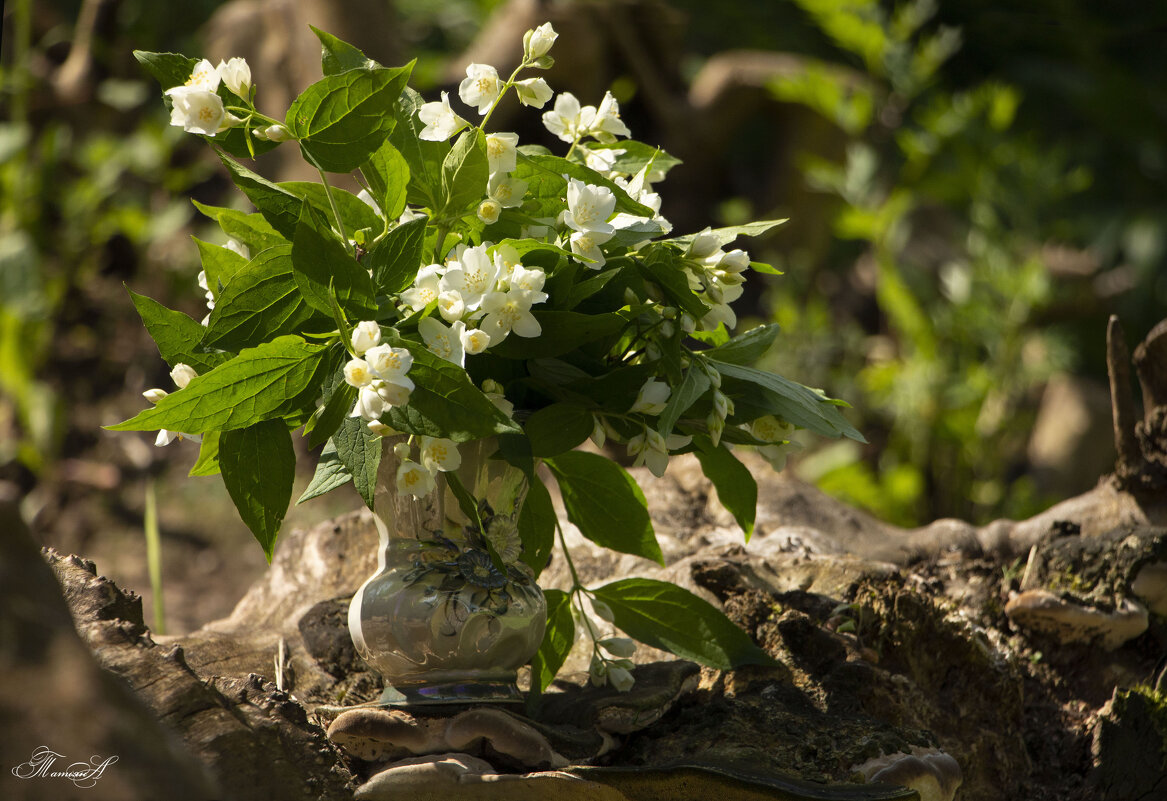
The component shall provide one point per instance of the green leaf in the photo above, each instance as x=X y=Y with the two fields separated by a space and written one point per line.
x=445 y=403
x=259 y=468
x=747 y=348
x=359 y=450
x=605 y=503
x=219 y=263
x=537 y=526
x=342 y=118
x=355 y=212
x=563 y=332
x=321 y=266
x=558 y=638
x=327 y=419
x=261 y=383
x=387 y=172
x=636 y=232
x=558 y=428
x=736 y=487
x=396 y=259
x=792 y=401
x=330 y=474
x=169 y=69
x=176 y=335
x=338 y=56
x=665 y=616
x=695 y=384
x=424 y=158
x=726 y=235
x=251 y=230
x=208 y=461
x=673 y=281
x=278 y=206
x=259 y=303
x=465 y=172
x=544 y=175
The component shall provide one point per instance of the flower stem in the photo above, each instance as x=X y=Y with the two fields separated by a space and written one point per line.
x=510 y=82
x=331 y=199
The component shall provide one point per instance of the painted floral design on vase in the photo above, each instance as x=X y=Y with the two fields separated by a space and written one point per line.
x=443 y=620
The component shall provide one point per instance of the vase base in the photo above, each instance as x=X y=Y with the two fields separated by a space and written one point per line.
x=478 y=692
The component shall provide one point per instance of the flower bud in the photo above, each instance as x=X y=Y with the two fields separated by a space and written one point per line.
x=401 y=450
x=277 y=133
x=182 y=375
x=155 y=395
x=538 y=42
x=721 y=404
x=602 y=610
x=703 y=246
x=735 y=261
x=667 y=329
x=688 y=323
x=236 y=76
x=618 y=646
x=621 y=678
x=716 y=426
x=669 y=312
x=599 y=435
x=367 y=334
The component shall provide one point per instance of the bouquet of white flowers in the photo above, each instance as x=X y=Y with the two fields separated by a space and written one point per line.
x=473 y=289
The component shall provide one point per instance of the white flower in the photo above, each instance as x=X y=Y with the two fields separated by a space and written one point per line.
x=393 y=394
x=480 y=87
x=413 y=479
x=444 y=342
x=473 y=275
x=568 y=121
x=182 y=374
x=439 y=455
x=500 y=151
x=651 y=449
x=533 y=92
x=390 y=364
x=607 y=125
x=474 y=341
x=488 y=211
x=506 y=191
x=426 y=287
x=370 y=405
x=236 y=75
x=589 y=207
x=720 y=313
x=440 y=120
x=602 y=159
x=529 y=281
x=197 y=110
x=204 y=76
x=587 y=245
x=653 y=397
x=357 y=373
x=366 y=334
x=538 y=42
x=506 y=312
x=451 y=305
x=506 y=259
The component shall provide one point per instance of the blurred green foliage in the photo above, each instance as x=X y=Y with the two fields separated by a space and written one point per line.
x=943 y=197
